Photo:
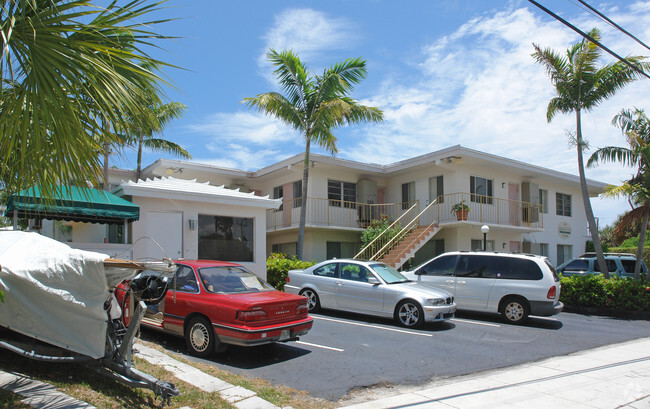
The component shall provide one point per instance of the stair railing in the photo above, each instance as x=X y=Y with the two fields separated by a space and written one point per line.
x=381 y=239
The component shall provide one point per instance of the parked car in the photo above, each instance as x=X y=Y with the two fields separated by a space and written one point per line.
x=370 y=287
x=620 y=264
x=215 y=303
x=514 y=285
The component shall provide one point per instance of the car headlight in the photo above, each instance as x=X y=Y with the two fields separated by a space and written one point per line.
x=437 y=301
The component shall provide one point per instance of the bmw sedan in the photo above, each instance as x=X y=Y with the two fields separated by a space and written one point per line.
x=370 y=287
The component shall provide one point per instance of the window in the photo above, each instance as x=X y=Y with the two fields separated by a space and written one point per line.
x=519 y=269
x=342 y=194
x=477 y=245
x=441 y=266
x=480 y=189
x=226 y=238
x=185 y=280
x=290 y=249
x=337 y=249
x=562 y=204
x=408 y=195
x=478 y=266
x=278 y=193
x=436 y=189
x=115 y=233
x=543 y=249
x=543 y=200
x=564 y=253
x=297 y=193
x=354 y=272
x=328 y=270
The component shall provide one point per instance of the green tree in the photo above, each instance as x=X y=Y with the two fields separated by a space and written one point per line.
x=636 y=128
x=580 y=85
x=314 y=105
x=67 y=65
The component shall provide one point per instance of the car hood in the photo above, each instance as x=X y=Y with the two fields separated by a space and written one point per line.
x=419 y=289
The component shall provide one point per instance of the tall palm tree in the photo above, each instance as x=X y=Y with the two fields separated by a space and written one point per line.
x=63 y=62
x=314 y=105
x=635 y=125
x=581 y=85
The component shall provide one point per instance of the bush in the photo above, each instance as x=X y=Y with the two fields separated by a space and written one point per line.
x=376 y=228
x=615 y=294
x=278 y=265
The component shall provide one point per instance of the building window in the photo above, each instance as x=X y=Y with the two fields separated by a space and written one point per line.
x=477 y=245
x=337 y=249
x=297 y=193
x=115 y=233
x=563 y=204
x=290 y=249
x=408 y=195
x=564 y=253
x=226 y=238
x=543 y=249
x=342 y=194
x=436 y=189
x=480 y=189
x=543 y=200
x=278 y=193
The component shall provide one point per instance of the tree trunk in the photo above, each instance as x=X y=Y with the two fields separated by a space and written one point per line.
x=138 y=170
x=303 y=207
x=639 y=251
x=591 y=221
x=107 y=152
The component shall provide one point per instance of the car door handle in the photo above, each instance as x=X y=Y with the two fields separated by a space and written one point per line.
x=449 y=282
x=461 y=282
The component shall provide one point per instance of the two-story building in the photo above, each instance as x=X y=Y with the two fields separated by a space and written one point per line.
x=527 y=208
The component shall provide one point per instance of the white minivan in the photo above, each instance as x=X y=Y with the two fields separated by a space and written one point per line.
x=515 y=285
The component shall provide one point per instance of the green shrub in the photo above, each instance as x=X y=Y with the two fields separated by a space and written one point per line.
x=376 y=228
x=278 y=265
x=615 y=294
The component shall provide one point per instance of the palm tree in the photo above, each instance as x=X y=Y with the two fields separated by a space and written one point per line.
x=580 y=85
x=635 y=125
x=314 y=105
x=63 y=63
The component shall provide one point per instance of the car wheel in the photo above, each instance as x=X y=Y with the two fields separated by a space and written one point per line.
x=313 y=303
x=199 y=337
x=409 y=314
x=514 y=310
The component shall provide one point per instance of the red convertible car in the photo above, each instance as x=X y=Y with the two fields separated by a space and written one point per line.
x=216 y=303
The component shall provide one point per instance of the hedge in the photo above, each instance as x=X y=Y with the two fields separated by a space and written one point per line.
x=278 y=265
x=616 y=294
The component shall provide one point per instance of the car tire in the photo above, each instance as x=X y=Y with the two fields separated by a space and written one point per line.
x=409 y=314
x=514 y=310
x=199 y=337
x=314 y=302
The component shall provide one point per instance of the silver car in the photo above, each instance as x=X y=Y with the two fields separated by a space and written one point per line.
x=370 y=287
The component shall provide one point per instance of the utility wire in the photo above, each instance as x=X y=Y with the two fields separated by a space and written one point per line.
x=588 y=37
x=612 y=23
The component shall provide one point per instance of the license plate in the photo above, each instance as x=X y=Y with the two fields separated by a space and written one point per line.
x=285 y=334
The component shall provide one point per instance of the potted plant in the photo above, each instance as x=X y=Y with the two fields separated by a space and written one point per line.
x=461 y=209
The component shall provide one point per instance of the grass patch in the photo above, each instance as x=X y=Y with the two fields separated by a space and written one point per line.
x=85 y=384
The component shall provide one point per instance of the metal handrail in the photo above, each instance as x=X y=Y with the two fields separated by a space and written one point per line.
x=386 y=232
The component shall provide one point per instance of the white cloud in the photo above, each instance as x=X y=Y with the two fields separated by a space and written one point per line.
x=243 y=157
x=243 y=127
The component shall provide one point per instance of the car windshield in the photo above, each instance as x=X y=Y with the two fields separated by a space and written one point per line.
x=231 y=280
x=389 y=274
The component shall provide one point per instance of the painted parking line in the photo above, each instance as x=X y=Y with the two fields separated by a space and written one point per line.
x=475 y=322
x=358 y=324
x=320 y=346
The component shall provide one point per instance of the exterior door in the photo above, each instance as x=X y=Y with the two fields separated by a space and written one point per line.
x=166 y=228
x=513 y=196
x=354 y=293
x=475 y=278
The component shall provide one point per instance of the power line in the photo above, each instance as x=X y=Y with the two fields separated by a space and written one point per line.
x=588 y=37
x=613 y=23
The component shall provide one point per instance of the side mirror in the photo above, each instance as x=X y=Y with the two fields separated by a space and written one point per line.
x=418 y=272
x=373 y=281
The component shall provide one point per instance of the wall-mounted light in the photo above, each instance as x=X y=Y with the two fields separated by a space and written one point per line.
x=192 y=222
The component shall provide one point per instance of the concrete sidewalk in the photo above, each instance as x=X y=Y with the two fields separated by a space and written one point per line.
x=615 y=376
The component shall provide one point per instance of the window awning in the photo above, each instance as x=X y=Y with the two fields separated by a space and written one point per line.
x=75 y=204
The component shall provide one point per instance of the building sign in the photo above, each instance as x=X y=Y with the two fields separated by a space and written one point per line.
x=564 y=230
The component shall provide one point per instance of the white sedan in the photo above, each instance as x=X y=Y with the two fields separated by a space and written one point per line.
x=370 y=287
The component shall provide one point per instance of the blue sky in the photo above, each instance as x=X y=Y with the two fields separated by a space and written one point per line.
x=443 y=72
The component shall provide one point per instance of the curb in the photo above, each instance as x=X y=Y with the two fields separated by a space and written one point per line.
x=38 y=394
x=632 y=315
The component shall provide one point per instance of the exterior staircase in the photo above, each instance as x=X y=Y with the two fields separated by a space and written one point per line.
x=409 y=245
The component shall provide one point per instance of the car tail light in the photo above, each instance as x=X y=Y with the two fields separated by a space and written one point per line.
x=551 y=293
x=254 y=315
x=302 y=309
x=288 y=279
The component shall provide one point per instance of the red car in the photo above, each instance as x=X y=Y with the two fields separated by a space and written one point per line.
x=216 y=303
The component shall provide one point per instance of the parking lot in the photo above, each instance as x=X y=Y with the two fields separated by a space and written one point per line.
x=344 y=352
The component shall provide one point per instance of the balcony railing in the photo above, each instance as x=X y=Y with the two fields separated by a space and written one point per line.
x=331 y=213
x=344 y=214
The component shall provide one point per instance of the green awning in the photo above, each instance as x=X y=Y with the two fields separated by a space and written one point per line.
x=73 y=203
